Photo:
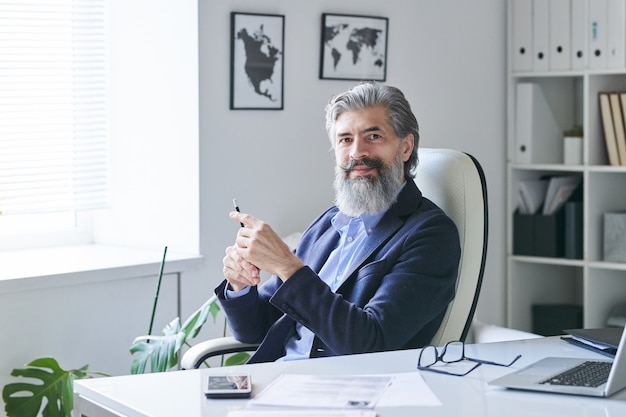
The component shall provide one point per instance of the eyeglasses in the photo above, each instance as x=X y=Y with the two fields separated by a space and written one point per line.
x=452 y=352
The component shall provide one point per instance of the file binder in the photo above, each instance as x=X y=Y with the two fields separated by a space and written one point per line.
x=560 y=37
x=618 y=124
x=616 y=47
x=574 y=230
x=522 y=35
x=598 y=34
x=541 y=35
x=538 y=137
x=622 y=101
x=578 y=34
x=523 y=232
x=608 y=128
x=549 y=234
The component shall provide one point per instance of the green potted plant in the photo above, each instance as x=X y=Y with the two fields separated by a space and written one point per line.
x=45 y=379
x=162 y=351
x=575 y=131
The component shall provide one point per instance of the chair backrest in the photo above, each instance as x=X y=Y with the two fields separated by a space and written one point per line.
x=455 y=182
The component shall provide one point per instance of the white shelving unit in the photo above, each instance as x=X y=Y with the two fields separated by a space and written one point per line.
x=590 y=282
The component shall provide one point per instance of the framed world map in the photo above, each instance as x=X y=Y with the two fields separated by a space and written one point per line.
x=257 y=62
x=353 y=47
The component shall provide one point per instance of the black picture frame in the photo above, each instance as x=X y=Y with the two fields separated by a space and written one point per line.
x=353 y=47
x=257 y=61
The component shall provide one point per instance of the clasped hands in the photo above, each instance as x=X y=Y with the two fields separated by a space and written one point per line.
x=257 y=247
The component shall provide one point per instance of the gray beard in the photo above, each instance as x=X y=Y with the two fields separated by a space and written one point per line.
x=368 y=195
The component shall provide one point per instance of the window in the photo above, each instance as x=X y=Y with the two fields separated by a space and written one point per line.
x=53 y=127
x=143 y=138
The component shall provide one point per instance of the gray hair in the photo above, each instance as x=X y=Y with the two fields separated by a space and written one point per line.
x=373 y=94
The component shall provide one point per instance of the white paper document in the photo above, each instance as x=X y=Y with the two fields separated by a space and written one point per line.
x=256 y=412
x=324 y=391
x=532 y=194
x=560 y=189
x=347 y=391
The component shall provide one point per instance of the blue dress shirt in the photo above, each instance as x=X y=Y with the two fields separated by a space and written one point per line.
x=353 y=232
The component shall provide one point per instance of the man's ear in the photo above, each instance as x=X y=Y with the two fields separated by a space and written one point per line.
x=408 y=143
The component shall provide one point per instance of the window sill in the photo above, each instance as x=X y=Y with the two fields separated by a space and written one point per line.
x=54 y=267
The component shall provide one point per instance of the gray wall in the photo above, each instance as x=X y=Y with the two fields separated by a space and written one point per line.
x=447 y=56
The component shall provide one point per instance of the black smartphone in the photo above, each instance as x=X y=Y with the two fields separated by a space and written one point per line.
x=228 y=386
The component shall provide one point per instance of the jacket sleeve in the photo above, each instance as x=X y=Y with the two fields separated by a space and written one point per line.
x=251 y=315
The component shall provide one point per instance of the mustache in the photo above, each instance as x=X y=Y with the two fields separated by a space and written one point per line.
x=368 y=162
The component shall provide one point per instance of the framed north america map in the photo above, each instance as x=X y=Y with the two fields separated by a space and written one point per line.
x=353 y=47
x=257 y=61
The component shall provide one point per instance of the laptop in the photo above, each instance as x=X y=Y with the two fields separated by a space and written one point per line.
x=555 y=375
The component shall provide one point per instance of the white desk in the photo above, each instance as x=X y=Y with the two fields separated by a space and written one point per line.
x=180 y=393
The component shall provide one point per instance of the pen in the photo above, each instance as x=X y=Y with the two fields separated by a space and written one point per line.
x=237 y=209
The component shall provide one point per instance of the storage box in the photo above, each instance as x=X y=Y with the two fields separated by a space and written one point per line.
x=550 y=234
x=615 y=237
x=523 y=234
x=552 y=319
x=539 y=235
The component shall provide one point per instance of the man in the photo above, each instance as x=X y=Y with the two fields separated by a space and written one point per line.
x=375 y=272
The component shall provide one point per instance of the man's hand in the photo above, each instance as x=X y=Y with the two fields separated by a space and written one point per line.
x=258 y=245
x=238 y=272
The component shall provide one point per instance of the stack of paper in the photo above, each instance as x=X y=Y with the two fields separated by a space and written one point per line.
x=338 y=395
x=560 y=189
x=324 y=391
x=531 y=196
x=551 y=194
x=602 y=340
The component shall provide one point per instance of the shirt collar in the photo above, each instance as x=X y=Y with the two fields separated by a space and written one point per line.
x=341 y=220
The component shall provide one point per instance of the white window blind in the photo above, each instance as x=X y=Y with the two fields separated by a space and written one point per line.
x=53 y=141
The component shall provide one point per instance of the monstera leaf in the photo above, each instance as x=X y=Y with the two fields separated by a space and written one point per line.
x=25 y=399
x=162 y=351
x=238 y=358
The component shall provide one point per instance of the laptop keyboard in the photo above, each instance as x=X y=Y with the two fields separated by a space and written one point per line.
x=587 y=374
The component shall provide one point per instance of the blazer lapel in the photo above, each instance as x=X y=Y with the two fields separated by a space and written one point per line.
x=387 y=227
x=321 y=249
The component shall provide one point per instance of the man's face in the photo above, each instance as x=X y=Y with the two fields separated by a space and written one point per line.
x=370 y=161
x=366 y=135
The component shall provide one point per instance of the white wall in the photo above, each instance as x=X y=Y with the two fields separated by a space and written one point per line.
x=153 y=125
x=447 y=56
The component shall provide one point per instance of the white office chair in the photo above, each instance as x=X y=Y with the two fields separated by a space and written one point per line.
x=455 y=182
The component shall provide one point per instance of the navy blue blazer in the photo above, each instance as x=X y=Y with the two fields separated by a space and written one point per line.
x=395 y=297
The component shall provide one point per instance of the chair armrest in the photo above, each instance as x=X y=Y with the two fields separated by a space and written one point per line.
x=194 y=357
